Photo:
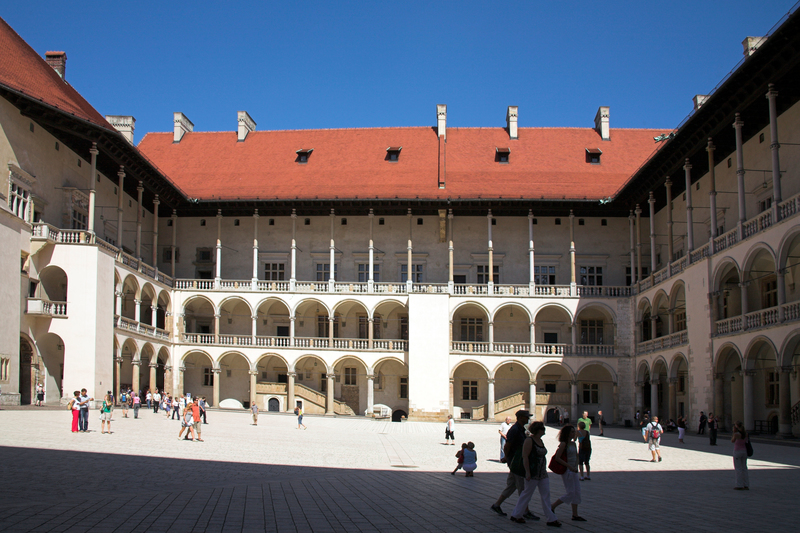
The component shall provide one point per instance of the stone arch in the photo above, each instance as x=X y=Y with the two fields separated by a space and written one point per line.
x=757 y=348
x=678 y=359
x=660 y=311
x=567 y=369
x=130 y=294
x=28 y=370
x=754 y=251
x=470 y=303
x=352 y=316
x=553 y=390
x=642 y=370
x=552 y=325
x=234 y=379
x=53 y=284
x=198 y=376
x=310 y=302
x=596 y=323
x=148 y=297
x=596 y=380
x=313 y=319
x=273 y=320
x=386 y=300
x=311 y=371
x=198 y=315
x=761 y=279
x=789 y=264
x=470 y=389
x=512 y=328
x=728 y=365
x=393 y=316
x=644 y=328
x=470 y=327
x=265 y=358
x=53 y=352
x=235 y=320
x=790 y=348
x=512 y=380
x=351 y=383
x=499 y=365
x=659 y=361
x=611 y=372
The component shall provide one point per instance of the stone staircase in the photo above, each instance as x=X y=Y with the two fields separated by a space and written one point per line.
x=317 y=399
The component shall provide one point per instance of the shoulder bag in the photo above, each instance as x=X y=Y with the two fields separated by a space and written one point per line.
x=557 y=467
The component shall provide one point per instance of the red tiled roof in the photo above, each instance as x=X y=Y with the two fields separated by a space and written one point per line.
x=24 y=71
x=545 y=163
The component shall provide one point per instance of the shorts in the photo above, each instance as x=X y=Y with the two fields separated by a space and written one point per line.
x=40 y=396
x=470 y=467
x=106 y=417
x=653 y=444
x=449 y=434
x=583 y=457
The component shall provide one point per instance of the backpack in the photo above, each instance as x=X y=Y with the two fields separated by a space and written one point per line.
x=123 y=398
x=654 y=432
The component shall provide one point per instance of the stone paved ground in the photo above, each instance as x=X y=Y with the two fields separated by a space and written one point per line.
x=354 y=475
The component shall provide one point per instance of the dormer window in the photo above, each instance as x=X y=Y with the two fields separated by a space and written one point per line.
x=393 y=153
x=593 y=155
x=303 y=155
x=501 y=154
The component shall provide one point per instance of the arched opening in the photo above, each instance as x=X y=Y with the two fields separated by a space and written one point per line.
x=658 y=391
x=729 y=371
x=198 y=317
x=643 y=389
x=644 y=330
x=128 y=352
x=53 y=284
x=165 y=371
x=353 y=331
x=511 y=389
x=273 y=405
x=391 y=384
x=162 y=310
x=390 y=326
x=52 y=350
x=311 y=384
x=660 y=312
x=148 y=301
x=728 y=293
x=312 y=325
x=553 y=330
x=761 y=283
x=470 y=391
x=351 y=383
x=790 y=263
x=234 y=381
x=471 y=329
x=596 y=392
x=763 y=371
x=512 y=330
x=198 y=378
x=130 y=292
x=679 y=381
x=28 y=372
x=398 y=415
x=151 y=371
x=596 y=331
x=235 y=323
x=678 y=308
x=273 y=323
x=553 y=390
x=791 y=360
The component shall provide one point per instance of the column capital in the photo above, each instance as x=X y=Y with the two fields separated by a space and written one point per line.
x=253 y=372
x=639 y=383
x=489 y=214
x=153 y=365
x=747 y=372
x=370 y=376
x=217 y=316
x=291 y=375
x=687 y=165
x=182 y=368
x=452 y=380
x=121 y=172
x=737 y=121
x=651 y=199
x=219 y=213
x=94 y=151
x=156 y=202
x=118 y=360
x=668 y=182
x=294 y=213
x=140 y=187
x=490 y=381
x=532 y=382
x=136 y=362
x=771 y=92
x=787 y=369
x=654 y=382
x=216 y=370
x=710 y=147
x=614 y=384
x=719 y=375
x=137 y=302
x=673 y=381
x=167 y=367
x=254 y=317
x=330 y=375
x=638 y=210
x=574 y=383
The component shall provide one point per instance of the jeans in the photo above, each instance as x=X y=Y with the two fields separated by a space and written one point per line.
x=136 y=410
x=175 y=413
x=155 y=407
x=712 y=436
x=83 y=419
x=502 y=445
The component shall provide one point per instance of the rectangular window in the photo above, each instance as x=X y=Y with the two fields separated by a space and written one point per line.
x=363 y=325
x=764 y=204
x=773 y=381
x=472 y=329
x=483 y=274
x=591 y=275
x=404 y=328
x=363 y=272
x=416 y=273
x=550 y=387
x=324 y=271
x=19 y=201
x=208 y=377
x=350 y=376
x=166 y=255
x=544 y=275
x=323 y=383
x=591 y=393
x=274 y=271
x=769 y=292
x=404 y=388
x=459 y=279
x=204 y=255
x=78 y=220
x=323 y=326
x=591 y=332
x=680 y=320
x=469 y=390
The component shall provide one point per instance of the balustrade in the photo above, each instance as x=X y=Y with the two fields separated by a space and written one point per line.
x=594 y=349
x=762 y=318
x=791 y=311
x=729 y=325
x=512 y=347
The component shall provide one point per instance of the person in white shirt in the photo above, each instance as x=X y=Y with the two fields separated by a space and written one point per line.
x=654 y=432
x=156 y=401
x=504 y=427
x=449 y=431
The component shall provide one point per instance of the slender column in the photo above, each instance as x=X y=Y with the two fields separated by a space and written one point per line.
x=775 y=146
x=574 y=335
x=135 y=385
x=217 y=372
x=332 y=278
x=531 y=269
x=450 y=283
x=174 y=240
x=670 y=237
x=409 y=280
x=491 y=336
x=639 y=396
x=490 y=401
x=781 y=294
x=490 y=284
x=638 y=212
x=331 y=324
x=371 y=278
x=154 y=315
x=216 y=328
x=533 y=337
x=687 y=167
x=117 y=379
x=120 y=198
x=293 y=272
x=254 y=280
x=329 y=404
x=712 y=195
x=672 y=408
x=573 y=287
x=747 y=399
x=253 y=386
x=179 y=391
x=719 y=396
x=292 y=321
x=290 y=404
x=745 y=306
x=371 y=332
x=92 y=188
x=653 y=397
x=785 y=403
x=137 y=313
x=452 y=396
x=370 y=395
x=139 y=194
x=153 y=366
x=652 y=202
x=574 y=403
x=615 y=403
x=254 y=331
x=168 y=379
x=653 y=322
x=218 y=276
x=633 y=248
x=672 y=322
x=738 y=124
x=532 y=399
x=156 y=203
x=118 y=306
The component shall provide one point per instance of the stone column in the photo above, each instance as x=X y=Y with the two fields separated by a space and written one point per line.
x=532 y=399
x=633 y=248
x=254 y=279
x=533 y=337
x=409 y=280
x=174 y=241
x=781 y=282
x=293 y=271
x=653 y=322
x=672 y=408
x=638 y=212
x=156 y=203
x=216 y=328
x=371 y=276
x=747 y=399
x=290 y=403
x=139 y=194
x=670 y=236
x=168 y=379
x=218 y=273
x=719 y=397
x=332 y=278
x=121 y=194
x=573 y=410
x=491 y=337
x=671 y=320
x=531 y=267
x=370 y=394
x=775 y=147
x=490 y=284
x=118 y=302
x=217 y=373
x=652 y=202
x=785 y=399
x=329 y=403
x=137 y=313
x=154 y=315
x=253 y=386
x=153 y=366
x=292 y=320
x=615 y=404
x=254 y=329
x=450 y=283
x=370 y=332
x=179 y=391
x=687 y=167
x=573 y=287
x=92 y=190
x=117 y=379
x=135 y=385
x=712 y=194
x=745 y=305
x=331 y=324
x=653 y=397
x=738 y=124
x=490 y=401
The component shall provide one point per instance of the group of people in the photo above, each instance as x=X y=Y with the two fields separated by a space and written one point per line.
x=79 y=406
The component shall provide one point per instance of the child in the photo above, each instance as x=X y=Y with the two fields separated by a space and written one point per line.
x=460 y=456
x=470 y=458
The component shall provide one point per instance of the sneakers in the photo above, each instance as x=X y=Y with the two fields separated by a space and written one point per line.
x=659 y=458
x=498 y=510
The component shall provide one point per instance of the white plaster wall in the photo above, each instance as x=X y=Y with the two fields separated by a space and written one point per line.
x=428 y=366
x=11 y=297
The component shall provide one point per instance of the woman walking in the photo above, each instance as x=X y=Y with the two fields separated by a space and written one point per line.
x=567 y=447
x=681 y=428
x=739 y=440
x=105 y=414
x=534 y=469
x=75 y=406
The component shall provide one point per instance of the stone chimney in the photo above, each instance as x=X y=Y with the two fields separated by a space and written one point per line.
x=751 y=44
x=246 y=124
x=511 y=121
x=441 y=120
x=601 y=123
x=182 y=126
x=699 y=100
x=57 y=60
x=123 y=124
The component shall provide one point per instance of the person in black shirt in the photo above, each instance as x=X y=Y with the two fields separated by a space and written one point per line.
x=515 y=438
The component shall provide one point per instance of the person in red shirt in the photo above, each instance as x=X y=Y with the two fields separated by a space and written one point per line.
x=196 y=416
x=187 y=422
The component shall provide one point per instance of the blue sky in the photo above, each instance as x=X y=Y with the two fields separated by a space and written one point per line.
x=299 y=65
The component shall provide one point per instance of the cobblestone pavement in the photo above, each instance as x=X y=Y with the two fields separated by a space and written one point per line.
x=355 y=475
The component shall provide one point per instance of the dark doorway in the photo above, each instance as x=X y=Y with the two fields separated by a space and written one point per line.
x=273 y=405
x=25 y=382
x=399 y=415
x=551 y=338
x=552 y=416
x=282 y=331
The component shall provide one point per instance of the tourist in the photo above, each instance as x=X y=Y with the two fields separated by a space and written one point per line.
x=449 y=431
x=187 y=423
x=75 y=406
x=504 y=427
x=584 y=451
x=515 y=440
x=196 y=417
x=177 y=404
x=740 y=440
x=149 y=399
x=654 y=432
x=586 y=421
x=636 y=416
x=39 y=395
x=534 y=471
x=713 y=426
x=601 y=421
x=298 y=411
x=567 y=455
x=643 y=424
x=123 y=400
x=681 y=428
x=254 y=410
x=560 y=416
x=137 y=402
x=203 y=408
x=566 y=416
x=156 y=401
x=105 y=413
x=83 y=420
x=167 y=405
x=470 y=460
x=701 y=428
x=459 y=459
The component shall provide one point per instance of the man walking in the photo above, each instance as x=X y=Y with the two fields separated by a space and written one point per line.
x=83 y=416
x=713 y=426
x=203 y=405
x=586 y=420
x=504 y=427
x=701 y=429
x=600 y=421
x=515 y=438
x=196 y=417
x=156 y=401
x=654 y=432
